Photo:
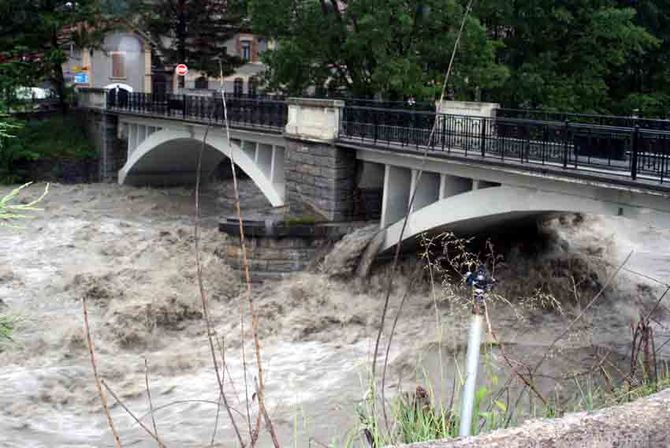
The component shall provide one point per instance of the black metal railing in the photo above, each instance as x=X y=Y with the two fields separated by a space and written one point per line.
x=267 y=112
x=604 y=120
x=636 y=152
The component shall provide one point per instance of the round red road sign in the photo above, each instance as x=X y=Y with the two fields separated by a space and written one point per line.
x=182 y=69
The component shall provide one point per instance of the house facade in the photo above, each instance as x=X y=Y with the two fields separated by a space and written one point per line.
x=245 y=80
x=123 y=59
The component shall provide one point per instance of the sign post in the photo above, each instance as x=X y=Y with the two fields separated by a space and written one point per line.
x=182 y=71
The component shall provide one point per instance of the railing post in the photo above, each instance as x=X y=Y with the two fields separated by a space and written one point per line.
x=483 y=136
x=566 y=132
x=375 y=128
x=184 y=106
x=444 y=130
x=636 y=140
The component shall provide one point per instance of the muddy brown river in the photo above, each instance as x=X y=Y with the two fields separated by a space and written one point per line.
x=129 y=251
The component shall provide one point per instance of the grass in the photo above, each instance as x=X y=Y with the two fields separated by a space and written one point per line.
x=417 y=417
x=11 y=211
x=301 y=220
x=7 y=326
x=420 y=416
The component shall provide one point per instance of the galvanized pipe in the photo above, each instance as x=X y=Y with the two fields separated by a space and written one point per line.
x=472 y=362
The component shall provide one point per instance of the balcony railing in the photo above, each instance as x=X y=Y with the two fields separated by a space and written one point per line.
x=638 y=152
x=258 y=112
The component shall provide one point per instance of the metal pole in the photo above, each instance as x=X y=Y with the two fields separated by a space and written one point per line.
x=472 y=362
x=481 y=283
x=636 y=140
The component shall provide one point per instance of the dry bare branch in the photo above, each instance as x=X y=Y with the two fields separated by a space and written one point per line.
x=134 y=417
x=96 y=375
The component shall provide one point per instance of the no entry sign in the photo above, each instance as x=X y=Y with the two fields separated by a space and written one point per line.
x=182 y=69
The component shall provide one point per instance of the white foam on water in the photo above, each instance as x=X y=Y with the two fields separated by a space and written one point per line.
x=129 y=251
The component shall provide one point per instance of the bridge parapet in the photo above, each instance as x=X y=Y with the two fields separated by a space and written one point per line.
x=639 y=153
x=91 y=98
x=314 y=119
x=467 y=108
x=320 y=176
x=258 y=112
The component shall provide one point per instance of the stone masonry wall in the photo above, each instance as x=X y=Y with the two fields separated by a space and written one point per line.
x=101 y=129
x=320 y=177
x=272 y=258
x=640 y=424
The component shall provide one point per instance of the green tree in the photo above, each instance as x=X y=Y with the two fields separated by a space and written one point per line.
x=395 y=48
x=38 y=32
x=564 y=55
x=193 y=32
x=644 y=84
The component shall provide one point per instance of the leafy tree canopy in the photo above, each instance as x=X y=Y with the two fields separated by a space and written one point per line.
x=580 y=55
x=192 y=31
x=35 y=36
x=563 y=55
x=395 y=48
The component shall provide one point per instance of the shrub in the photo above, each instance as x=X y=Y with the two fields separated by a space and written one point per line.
x=59 y=137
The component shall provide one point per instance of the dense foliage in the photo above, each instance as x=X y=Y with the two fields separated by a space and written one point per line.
x=58 y=138
x=579 y=55
x=191 y=31
x=35 y=35
x=395 y=48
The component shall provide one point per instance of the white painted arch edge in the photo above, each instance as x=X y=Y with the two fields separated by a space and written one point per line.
x=219 y=143
x=502 y=200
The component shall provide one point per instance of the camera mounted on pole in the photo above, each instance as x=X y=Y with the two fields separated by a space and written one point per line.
x=481 y=283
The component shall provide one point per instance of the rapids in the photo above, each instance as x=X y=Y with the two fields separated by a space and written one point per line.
x=129 y=251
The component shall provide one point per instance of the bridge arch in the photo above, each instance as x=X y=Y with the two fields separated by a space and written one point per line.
x=488 y=207
x=169 y=156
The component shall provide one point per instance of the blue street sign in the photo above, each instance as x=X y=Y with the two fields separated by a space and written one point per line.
x=81 y=78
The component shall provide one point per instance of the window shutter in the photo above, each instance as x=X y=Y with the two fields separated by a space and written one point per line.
x=254 y=50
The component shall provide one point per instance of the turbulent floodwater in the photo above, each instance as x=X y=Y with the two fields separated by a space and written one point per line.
x=129 y=251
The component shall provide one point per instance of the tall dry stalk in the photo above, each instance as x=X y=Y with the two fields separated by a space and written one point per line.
x=96 y=375
x=247 y=277
x=396 y=255
x=151 y=403
x=203 y=292
x=582 y=312
x=132 y=415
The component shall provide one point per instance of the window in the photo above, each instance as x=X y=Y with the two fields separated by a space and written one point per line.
x=253 y=86
x=118 y=65
x=246 y=50
x=238 y=86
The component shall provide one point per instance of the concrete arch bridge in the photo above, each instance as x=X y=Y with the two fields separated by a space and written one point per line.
x=345 y=162
x=163 y=152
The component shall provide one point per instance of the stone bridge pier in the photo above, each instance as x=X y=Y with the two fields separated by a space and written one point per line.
x=319 y=174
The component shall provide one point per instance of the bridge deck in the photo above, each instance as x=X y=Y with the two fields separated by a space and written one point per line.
x=623 y=154
x=634 y=155
x=617 y=174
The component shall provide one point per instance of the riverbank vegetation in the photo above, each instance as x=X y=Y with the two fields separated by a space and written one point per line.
x=10 y=212
x=51 y=141
x=513 y=386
